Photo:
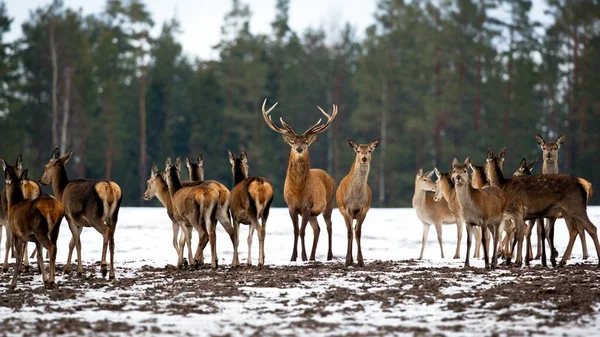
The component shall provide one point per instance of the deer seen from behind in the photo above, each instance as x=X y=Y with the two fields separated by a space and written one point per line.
x=88 y=203
x=251 y=199
x=37 y=220
x=434 y=211
x=307 y=192
x=354 y=196
x=31 y=190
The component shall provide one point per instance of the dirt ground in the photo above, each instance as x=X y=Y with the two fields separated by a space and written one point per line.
x=552 y=297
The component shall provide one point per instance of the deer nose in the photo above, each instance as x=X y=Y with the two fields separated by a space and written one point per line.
x=299 y=149
x=364 y=159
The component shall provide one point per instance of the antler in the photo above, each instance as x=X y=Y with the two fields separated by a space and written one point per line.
x=317 y=128
x=286 y=128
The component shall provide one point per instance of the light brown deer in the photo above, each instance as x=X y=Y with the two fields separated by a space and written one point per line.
x=251 y=199
x=478 y=180
x=524 y=169
x=31 y=190
x=196 y=175
x=550 y=166
x=354 y=196
x=435 y=211
x=88 y=203
x=37 y=220
x=197 y=205
x=479 y=207
x=307 y=192
x=157 y=186
x=545 y=195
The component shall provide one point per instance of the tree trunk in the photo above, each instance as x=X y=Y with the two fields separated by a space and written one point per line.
x=54 y=61
x=109 y=136
x=142 y=104
x=383 y=142
x=66 y=108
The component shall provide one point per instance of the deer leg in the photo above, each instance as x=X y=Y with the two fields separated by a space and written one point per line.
x=476 y=232
x=262 y=233
x=528 y=229
x=553 y=251
x=540 y=225
x=175 y=236
x=185 y=233
x=484 y=240
x=225 y=221
x=357 y=235
x=294 y=217
x=520 y=229
x=9 y=247
x=103 y=264
x=316 y=231
x=212 y=237
x=424 y=240
x=19 y=250
x=542 y=230
x=111 y=247
x=438 y=231
x=302 y=233
x=52 y=253
x=459 y=229
x=584 y=249
x=250 y=234
x=328 y=224
x=40 y=261
x=350 y=237
x=582 y=220
x=469 y=239
x=571 y=225
x=26 y=257
x=496 y=236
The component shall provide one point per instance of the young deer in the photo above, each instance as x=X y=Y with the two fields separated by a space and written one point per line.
x=354 y=196
x=478 y=180
x=196 y=175
x=196 y=205
x=307 y=192
x=157 y=186
x=545 y=195
x=550 y=166
x=31 y=190
x=479 y=207
x=524 y=169
x=434 y=211
x=88 y=203
x=251 y=199
x=37 y=220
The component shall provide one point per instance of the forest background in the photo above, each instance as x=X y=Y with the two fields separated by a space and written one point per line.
x=432 y=79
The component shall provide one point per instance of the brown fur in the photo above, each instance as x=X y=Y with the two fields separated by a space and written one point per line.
x=251 y=199
x=545 y=195
x=307 y=192
x=88 y=203
x=36 y=220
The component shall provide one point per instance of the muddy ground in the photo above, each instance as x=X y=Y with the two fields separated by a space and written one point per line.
x=542 y=299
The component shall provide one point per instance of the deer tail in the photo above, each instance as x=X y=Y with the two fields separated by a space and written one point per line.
x=587 y=186
x=260 y=194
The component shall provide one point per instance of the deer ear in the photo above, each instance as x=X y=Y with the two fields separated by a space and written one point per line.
x=502 y=153
x=539 y=140
x=19 y=163
x=287 y=138
x=7 y=177
x=231 y=157
x=244 y=157
x=352 y=144
x=454 y=162
x=55 y=154
x=430 y=174
x=168 y=163
x=523 y=163
x=560 y=140
x=437 y=172
x=420 y=172
x=24 y=175
x=66 y=157
x=490 y=155
x=530 y=166
x=153 y=171
x=199 y=160
x=311 y=138
x=188 y=162
x=374 y=144
x=178 y=164
x=471 y=167
x=3 y=163
x=468 y=161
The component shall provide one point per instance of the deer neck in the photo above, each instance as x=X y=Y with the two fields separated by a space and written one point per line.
x=550 y=168
x=238 y=177
x=59 y=181
x=162 y=192
x=173 y=182
x=14 y=194
x=448 y=188
x=196 y=174
x=495 y=176
x=479 y=179
x=419 y=196
x=464 y=194
x=298 y=171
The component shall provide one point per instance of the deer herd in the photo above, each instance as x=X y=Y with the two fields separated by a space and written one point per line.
x=485 y=201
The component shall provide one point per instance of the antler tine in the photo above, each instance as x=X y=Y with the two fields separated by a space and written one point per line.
x=285 y=125
x=269 y=121
x=320 y=128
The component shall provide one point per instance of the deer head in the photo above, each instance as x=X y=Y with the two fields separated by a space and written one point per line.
x=460 y=172
x=298 y=143
x=18 y=165
x=524 y=168
x=423 y=181
x=363 y=151
x=196 y=169
x=550 y=150
x=239 y=165
x=151 y=189
x=53 y=165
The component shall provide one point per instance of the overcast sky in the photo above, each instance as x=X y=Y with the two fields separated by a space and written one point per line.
x=201 y=20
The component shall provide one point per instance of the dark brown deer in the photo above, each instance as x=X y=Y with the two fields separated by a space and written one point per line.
x=31 y=190
x=545 y=195
x=524 y=169
x=550 y=166
x=88 y=203
x=479 y=207
x=197 y=205
x=196 y=175
x=37 y=220
x=157 y=186
x=434 y=211
x=251 y=199
x=307 y=192
x=354 y=196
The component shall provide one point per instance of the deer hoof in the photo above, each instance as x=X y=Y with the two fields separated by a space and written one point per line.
x=49 y=284
x=111 y=277
x=329 y=256
x=361 y=263
x=349 y=262
x=456 y=257
x=585 y=257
